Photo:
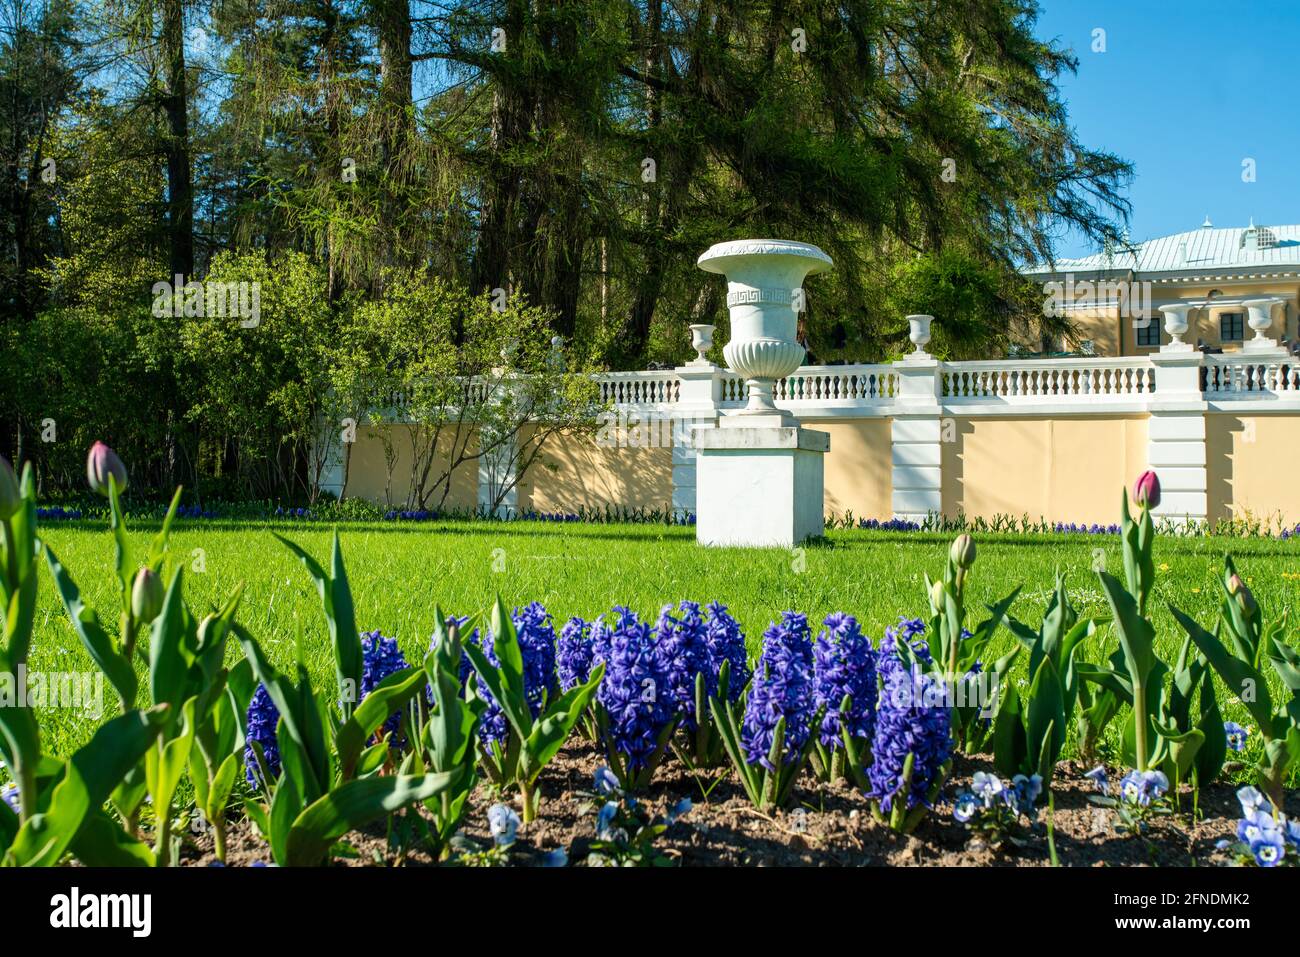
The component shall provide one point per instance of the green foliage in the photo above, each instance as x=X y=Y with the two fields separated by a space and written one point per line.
x=1029 y=734
x=1240 y=664
x=531 y=742
x=956 y=652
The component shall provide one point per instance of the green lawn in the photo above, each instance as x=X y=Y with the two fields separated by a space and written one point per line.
x=399 y=572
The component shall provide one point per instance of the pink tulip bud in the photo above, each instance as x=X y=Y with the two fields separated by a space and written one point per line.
x=1238 y=590
x=100 y=464
x=1146 y=490
x=11 y=495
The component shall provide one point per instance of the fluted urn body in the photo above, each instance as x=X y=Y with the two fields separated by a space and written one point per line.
x=764 y=297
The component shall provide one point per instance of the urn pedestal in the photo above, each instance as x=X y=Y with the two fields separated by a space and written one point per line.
x=759 y=474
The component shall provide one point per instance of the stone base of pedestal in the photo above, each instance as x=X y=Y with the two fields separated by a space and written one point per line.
x=758 y=485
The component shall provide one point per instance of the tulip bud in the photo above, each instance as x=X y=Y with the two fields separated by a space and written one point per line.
x=936 y=597
x=1146 y=490
x=100 y=464
x=962 y=552
x=146 y=596
x=11 y=496
x=1238 y=590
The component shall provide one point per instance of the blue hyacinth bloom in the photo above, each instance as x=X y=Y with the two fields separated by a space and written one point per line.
x=726 y=643
x=844 y=664
x=573 y=653
x=683 y=652
x=913 y=718
x=782 y=688
x=635 y=692
x=380 y=658
x=262 y=718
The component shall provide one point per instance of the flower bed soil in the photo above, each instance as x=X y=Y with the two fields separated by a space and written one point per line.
x=828 y=826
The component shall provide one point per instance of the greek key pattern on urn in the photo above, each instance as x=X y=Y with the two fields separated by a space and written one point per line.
x=763 y=358
x=752 y=295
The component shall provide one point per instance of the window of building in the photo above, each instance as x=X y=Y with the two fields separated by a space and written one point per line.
x=1149 y=334
x=1232 y=327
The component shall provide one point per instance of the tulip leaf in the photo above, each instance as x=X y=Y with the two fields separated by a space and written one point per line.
x=387 y=697
x=88 y=778
x=354 y=805
x=167 y=664
x=96 y=640
x=1238 y=675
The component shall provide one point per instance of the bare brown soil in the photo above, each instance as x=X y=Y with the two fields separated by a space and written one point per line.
x=826 y=826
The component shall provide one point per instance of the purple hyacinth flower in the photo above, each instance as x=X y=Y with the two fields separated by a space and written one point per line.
x=844 y=664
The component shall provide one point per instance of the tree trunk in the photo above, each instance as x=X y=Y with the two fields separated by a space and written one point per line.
x=180 y=190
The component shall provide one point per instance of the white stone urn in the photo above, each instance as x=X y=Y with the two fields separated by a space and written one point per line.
x=919 y=332
x=764 y=296
x=1260 y=318
x=701 y=342
x=1176 y=324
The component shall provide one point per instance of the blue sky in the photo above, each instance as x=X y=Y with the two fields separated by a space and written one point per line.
x=1186 y=91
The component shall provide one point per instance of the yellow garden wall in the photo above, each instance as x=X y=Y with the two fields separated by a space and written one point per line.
x=589 y=475
x=367 y=469
x=1063 y=470
x=858 y=469
x=1252 y=466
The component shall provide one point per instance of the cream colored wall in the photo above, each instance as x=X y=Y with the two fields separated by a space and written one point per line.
x=1253 y=467
x=858 y=469
x=585 y=474
x=367 y=470
x=1063 y=470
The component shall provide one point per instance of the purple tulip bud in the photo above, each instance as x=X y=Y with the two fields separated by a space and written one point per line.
x=146 y=596
x=100 y=464
x=1146 y=490
x=11 y=496
x=962 y=552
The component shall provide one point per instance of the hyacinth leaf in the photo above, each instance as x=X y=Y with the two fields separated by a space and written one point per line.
x=767 y=797
x=88 y=778
x=354 y=805
x=1238 y=675
x=167 y=663
x=724 y=716
x=102 y=842
x=96 y=640
x=899 y=800
x=340 y=617
x=388 y=696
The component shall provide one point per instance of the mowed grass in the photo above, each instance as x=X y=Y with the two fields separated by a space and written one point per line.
x=400 y=572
